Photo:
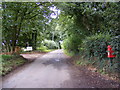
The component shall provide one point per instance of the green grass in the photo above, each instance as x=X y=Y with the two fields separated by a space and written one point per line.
x=6 y=57
x=45 y=49
x=48 y=50
x=78 y=62
x=9 y=63
x=81 y=62
x=69 y=53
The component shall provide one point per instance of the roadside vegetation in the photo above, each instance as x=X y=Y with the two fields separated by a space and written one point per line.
x=11 y=62
x=94 y=54
x=89 y=30
x=45 y=49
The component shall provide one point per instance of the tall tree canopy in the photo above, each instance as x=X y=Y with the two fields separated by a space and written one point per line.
x=23 y=21
x=91 y=17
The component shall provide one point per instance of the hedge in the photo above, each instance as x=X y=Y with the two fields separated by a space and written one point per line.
x=96 y=45
x=95 y=49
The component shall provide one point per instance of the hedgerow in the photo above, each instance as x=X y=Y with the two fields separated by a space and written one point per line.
x=115 y=43
x=96 y=45
x=95 y=52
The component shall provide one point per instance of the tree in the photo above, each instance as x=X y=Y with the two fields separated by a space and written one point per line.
x=20 y=16
x=81 y=19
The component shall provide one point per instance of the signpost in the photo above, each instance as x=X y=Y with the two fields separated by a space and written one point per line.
x=28 y=49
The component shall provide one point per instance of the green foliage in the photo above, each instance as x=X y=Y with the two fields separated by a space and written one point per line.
x=85 y=20
x=96 y=45
x=6 y=57
x=71 y=44
x=78 y=62
x=93 y=17
x=9 y=65
x=95 y=48
x=115 y=43
x=50 y=44
x=23 y=22
x=44 y=49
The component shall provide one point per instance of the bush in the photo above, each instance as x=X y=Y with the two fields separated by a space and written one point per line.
x=115 y=43
x=95 y=48
x=50 y=44
x=96 y=45
x=42 y=48
x=71 y=44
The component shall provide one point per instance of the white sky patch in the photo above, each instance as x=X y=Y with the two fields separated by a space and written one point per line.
x=56 y=12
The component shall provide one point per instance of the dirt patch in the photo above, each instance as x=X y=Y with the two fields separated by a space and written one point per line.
x=32 y=55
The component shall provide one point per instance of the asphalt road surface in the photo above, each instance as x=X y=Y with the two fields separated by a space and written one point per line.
x=53 y=71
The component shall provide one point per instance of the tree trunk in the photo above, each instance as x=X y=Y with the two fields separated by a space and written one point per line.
x=34 y=39
x=16 y=34
x=14 y=38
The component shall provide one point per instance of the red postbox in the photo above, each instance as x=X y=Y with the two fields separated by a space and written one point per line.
x=110 y=52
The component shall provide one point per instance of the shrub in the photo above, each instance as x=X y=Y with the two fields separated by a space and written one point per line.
x=42 y=48
x=50 y=44
x=115 y=43
x=71 y=44
x=96 y=45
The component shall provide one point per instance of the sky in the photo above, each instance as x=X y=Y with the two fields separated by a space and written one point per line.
x=56 y=12
x=53 y=8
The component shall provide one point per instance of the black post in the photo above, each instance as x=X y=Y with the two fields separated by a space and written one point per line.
x=111 y=61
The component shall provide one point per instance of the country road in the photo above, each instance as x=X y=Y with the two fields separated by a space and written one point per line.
x=53 y=71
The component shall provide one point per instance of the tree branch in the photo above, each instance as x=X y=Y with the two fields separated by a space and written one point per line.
x=33 y=8
x=33 y=16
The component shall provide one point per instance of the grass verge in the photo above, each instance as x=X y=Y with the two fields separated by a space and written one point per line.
x=10 y=62
x=69 y=53
x=48 y=50
x=102 y=67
